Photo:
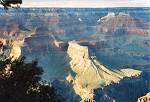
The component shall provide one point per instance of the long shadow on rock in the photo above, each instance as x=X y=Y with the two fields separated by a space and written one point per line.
x=127 y=90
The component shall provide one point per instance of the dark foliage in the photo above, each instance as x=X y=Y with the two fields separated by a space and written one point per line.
x=21 y=82
x=7 y=3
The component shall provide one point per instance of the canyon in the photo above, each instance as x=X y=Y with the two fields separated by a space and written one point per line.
x=88 y=54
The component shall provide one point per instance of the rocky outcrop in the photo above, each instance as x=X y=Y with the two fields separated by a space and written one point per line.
x=145 y=98
x=122 y=22
x=49 y=43
x=16 y=49
x=60 y=45
x=12 y=51
x=91 y=74
x=14 y=43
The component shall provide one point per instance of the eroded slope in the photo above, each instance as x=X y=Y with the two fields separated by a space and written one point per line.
x=91 y=74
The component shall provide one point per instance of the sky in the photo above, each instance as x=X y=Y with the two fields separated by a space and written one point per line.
x=86 y=3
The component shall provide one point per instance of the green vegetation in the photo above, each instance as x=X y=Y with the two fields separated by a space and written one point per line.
x=21 y=82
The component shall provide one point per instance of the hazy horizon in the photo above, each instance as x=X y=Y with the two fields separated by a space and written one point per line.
x=85 y=3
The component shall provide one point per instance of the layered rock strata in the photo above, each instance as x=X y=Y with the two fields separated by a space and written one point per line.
x=91 y=74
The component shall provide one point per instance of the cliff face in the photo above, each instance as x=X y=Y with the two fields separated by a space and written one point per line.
x=118 y=23
x=12 y=51
x=145 y=98
x=14 y=43
x=16 y=49
x=90 y=74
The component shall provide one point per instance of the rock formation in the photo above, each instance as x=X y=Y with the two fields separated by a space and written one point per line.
x=122 y=22
x=14 y=43
x=91 y=74
x=145 y=98
x=4 y=51
x=16 y=49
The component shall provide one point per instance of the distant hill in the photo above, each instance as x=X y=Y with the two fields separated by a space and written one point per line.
x=122 y=23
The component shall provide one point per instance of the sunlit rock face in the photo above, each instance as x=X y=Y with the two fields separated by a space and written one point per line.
x=145 y=98
x=16 y=50
x=12 y=34
x=91 y=74
x=13 y=52
x=14 y=44
x=122 y=23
